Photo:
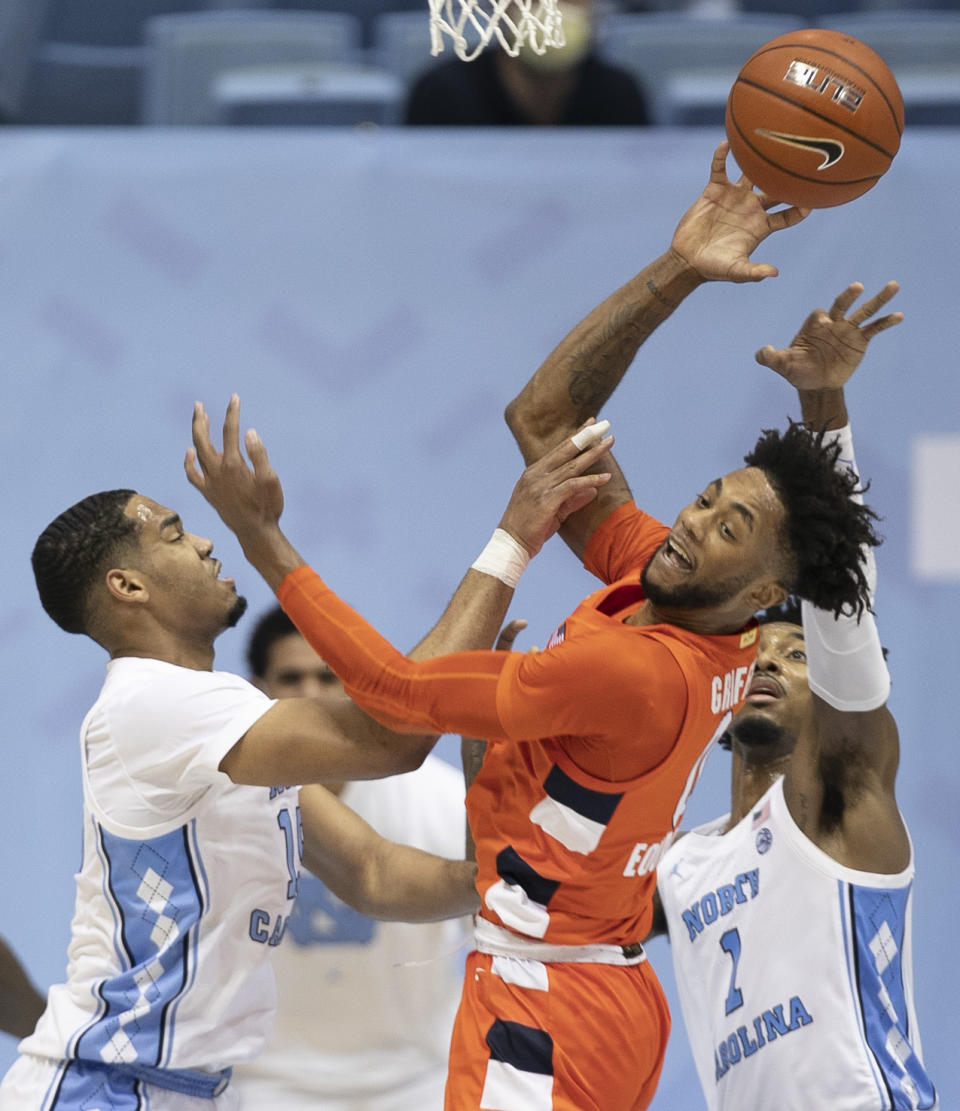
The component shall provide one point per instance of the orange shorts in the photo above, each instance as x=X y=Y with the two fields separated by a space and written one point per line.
x=556 y=1037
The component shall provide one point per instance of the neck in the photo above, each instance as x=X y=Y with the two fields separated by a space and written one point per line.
x=750 y=779
x=708 y=622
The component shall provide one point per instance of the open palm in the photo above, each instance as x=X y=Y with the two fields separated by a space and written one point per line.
x=828 y=348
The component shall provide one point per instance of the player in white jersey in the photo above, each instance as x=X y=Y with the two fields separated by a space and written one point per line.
x=790 y=918
x=191 y=839
x=390 y=989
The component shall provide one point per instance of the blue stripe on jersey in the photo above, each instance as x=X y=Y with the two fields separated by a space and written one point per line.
x=598 y=806
x=878 y=919
x=883 y=1093
x=512 y=868
x=82 y=1087
x=157 y=893
x=194 y=860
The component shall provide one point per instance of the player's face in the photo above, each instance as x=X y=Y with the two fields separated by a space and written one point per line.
x=294 y=670
x=186 y=593
x=723 y=544
x=778 y=693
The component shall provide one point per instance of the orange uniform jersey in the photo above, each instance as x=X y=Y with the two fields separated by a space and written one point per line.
x=564 y=856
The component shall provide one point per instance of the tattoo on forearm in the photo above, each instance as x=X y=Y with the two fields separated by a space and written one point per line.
x=655 y=291
x=589 y=387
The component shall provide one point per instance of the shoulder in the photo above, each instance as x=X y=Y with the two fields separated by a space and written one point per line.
x=623 y=542
x=132 y=673
x=151 y=698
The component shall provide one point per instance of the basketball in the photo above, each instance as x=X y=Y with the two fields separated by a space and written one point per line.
x=814 y=118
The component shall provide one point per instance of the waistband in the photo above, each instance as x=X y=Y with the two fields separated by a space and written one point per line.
x=188 y=1082
x=499 y=942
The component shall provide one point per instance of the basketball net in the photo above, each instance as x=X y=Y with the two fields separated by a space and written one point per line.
x=472 y=24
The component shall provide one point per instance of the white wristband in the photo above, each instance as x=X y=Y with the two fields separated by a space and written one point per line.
x=503 y=558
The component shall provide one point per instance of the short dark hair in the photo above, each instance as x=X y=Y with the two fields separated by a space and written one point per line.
x=75 y=549
x=788 y=612
x=825 y=528
x=274 y=625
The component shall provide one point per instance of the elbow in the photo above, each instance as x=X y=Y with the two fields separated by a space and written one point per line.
x=512 y=414
x=519 y=420
x=530 y=436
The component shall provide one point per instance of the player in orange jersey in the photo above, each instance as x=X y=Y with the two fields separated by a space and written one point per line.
x=596 y=742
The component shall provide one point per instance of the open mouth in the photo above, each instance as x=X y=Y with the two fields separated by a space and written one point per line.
x=676 y=556
x=764 y=689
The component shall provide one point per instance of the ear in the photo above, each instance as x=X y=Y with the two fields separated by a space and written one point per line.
x=770 y=592
x=126 y=585
x=259 y=684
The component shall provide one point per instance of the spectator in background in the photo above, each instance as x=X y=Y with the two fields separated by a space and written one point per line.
x=364 y=1008
x=565 y=86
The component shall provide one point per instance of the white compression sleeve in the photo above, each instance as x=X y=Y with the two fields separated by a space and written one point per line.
x=845 y=664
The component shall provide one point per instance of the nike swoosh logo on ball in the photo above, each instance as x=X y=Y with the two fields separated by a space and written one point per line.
x=831 y=149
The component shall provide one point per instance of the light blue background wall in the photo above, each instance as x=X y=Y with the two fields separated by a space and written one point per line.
x=376 y=299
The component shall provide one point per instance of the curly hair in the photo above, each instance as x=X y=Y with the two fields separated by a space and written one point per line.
x=274 y=625
x=825 y=528
x=75 y=549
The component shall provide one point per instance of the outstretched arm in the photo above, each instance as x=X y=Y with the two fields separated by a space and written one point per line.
x=501 y=696
x=380 y=878
x=712 y=242
x=853 y=748
x=307 y=743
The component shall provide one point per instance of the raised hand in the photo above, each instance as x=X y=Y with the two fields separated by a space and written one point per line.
x=828 y=348
x=555 y=486
x=722 y=228
x=248 y=496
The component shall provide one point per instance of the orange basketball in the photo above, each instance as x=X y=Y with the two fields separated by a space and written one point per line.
x=814 y=118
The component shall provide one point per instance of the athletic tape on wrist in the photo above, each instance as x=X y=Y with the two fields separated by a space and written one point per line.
x=504 y=558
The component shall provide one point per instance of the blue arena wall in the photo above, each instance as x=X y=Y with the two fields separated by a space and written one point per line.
x=376 y=298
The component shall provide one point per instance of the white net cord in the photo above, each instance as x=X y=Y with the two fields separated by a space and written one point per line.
x=471 y=24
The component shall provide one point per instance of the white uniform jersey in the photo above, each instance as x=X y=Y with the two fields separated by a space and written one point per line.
x=365 y=1008
x=186 y=883
x=794 y=973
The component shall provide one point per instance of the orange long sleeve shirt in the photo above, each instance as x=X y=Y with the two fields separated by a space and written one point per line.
x=563 y=855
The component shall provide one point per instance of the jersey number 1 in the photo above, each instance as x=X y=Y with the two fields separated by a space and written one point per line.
x=730 y=943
